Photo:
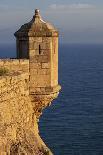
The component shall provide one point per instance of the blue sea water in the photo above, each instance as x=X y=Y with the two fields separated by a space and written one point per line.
x=73 y=124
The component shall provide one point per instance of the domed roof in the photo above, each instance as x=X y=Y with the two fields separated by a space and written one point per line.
x=37 y=28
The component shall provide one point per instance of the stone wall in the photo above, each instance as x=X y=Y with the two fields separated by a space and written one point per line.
x=40 y=64
x=15 y=64
x=54 y=62
x=18 y=123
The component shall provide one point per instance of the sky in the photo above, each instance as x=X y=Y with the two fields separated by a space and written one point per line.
x=78 y=21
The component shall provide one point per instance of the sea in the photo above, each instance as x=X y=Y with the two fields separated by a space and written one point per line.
x=73 y=124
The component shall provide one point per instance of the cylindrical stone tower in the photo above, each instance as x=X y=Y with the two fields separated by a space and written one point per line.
x=38 y=42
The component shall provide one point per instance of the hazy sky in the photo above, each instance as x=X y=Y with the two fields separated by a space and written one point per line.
x=79 y=21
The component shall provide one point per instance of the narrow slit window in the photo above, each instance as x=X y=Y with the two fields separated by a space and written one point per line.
x=39 y=49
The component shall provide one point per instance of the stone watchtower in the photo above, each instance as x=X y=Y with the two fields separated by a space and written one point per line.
x=38 y=42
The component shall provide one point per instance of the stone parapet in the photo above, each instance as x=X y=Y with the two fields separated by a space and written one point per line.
x=15 y=64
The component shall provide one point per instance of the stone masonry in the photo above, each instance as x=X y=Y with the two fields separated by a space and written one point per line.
x=29 y=86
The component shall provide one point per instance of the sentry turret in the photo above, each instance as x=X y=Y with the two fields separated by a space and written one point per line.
x=38 y=42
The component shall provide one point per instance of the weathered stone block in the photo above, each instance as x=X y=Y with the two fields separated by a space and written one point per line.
x=45 y=65
x=47 y=39
x=33 y=71
x=37 y=39
x=42 y=72
x=39 y=58
x=36 y=45
x=40 y=81
x=42 y=89
x=31 y=46
x=36 y=65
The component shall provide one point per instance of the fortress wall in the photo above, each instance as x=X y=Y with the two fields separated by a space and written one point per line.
x=18 y=125
x=15 y=64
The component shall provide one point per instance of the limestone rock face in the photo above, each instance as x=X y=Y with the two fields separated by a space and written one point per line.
x=19 y=114
x=18 y=124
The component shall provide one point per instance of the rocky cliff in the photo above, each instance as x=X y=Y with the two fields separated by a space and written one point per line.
x=20 y=111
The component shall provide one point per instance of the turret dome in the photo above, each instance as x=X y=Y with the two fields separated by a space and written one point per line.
x=37 y=28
